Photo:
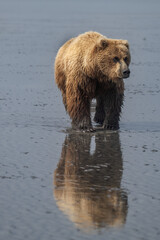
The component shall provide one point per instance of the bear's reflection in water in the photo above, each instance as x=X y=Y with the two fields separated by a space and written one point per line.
x=88 y=183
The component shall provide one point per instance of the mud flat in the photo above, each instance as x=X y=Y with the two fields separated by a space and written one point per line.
x=60 y=184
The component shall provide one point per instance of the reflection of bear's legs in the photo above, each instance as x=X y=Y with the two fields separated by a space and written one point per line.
x=112 y=104
x=100 y=113
x=78 y=107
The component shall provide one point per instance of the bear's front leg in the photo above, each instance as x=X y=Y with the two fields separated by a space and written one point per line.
x=82 y=124
x=113 y=102
x=78 y=107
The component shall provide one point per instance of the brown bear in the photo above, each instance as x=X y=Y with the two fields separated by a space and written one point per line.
x=93 y=66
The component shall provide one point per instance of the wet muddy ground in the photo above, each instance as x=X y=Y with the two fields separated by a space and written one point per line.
x=59 y=184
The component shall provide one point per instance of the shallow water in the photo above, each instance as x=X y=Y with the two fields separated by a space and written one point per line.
x=57 y=183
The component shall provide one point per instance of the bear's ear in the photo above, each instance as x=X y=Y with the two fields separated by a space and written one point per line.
x=125 y=42
x=102 y=44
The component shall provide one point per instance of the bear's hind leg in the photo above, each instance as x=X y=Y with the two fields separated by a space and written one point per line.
x=100 y=113
x=64 y=99
x=61 y=82
x=113 y=103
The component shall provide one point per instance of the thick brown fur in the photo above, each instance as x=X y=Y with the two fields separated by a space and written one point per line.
x=93 y=66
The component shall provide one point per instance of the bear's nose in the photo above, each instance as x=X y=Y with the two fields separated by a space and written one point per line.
x=126 y=73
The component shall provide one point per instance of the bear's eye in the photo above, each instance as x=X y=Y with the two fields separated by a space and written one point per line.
x=115 y=59
x=126 y=59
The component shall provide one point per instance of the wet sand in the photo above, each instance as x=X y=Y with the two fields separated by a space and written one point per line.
x=59 y=184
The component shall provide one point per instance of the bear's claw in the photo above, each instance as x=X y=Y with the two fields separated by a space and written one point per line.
x=111 y=127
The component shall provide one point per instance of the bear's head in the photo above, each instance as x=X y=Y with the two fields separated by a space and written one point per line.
x=113 y=58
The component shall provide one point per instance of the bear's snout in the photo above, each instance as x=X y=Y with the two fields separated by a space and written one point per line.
x=126 y=73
